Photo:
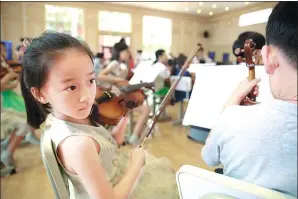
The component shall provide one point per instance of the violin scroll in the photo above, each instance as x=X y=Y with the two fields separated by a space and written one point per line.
x=249 y=54
x=249 y=49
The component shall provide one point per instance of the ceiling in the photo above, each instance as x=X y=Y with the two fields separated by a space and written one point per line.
x=191 y=7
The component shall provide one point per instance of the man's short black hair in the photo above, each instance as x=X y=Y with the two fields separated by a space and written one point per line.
x=281 y=30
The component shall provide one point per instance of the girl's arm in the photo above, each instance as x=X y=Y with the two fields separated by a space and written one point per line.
x=79 y=155
x=103 y=75
x=119 y=130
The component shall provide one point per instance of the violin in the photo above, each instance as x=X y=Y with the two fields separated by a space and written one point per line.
x=164 y=102
x=114 y=103
x=7 y=66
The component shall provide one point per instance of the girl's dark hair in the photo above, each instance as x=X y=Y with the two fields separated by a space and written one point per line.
x=117 y=48
x=122 y=40
x=158 y=53
x=37 y=60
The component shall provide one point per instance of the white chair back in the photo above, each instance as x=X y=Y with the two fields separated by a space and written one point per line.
x=197 y=183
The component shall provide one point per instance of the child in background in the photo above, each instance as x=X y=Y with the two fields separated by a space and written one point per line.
x=117 y=73
x=12 y=100
x=13 y=123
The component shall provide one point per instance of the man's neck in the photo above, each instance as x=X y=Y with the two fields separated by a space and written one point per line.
x=289 y=91
x=288 y=81
x=160 y=62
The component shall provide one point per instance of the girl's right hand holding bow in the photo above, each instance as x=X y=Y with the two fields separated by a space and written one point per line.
x=137 y=158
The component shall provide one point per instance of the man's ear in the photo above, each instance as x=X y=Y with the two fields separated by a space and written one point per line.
x=270 y=59
x=37 y=94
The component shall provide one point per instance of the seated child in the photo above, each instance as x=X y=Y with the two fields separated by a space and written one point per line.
x=13 y=123
x=59 y=73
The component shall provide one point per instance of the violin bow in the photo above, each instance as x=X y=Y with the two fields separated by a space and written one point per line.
x=133 y=87
x=170 y=92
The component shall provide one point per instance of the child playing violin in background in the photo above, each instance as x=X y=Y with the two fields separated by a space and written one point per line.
x=13 y=123
x=88 y=154
x=14 y=126
x=12 y=98
x=116 y=73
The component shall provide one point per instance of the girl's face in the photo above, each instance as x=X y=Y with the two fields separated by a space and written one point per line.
x=124 y=55
x=70 y=87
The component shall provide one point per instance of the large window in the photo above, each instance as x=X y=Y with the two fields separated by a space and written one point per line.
x=157 y=33
x=112 y=27
x=114 y=21
x=65 y=19
x=256 y=17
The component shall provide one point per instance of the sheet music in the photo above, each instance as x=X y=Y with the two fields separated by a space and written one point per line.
x=145 y=72
x=193 y=67
x=212 y=88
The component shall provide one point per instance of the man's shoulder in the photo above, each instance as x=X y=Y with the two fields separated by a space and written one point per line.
x=158 y=64
x=234 y=121
x=241 y=115
x=238 y=110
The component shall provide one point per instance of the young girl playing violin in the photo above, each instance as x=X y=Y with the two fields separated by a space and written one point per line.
x=58 y=84
x=13 y=114
x=117 y=73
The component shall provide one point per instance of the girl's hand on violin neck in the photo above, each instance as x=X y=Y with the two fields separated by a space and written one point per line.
x=239 y=96
x=137 y=158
